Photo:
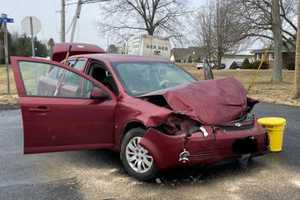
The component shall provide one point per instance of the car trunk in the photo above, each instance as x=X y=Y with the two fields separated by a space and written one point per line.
x=212 y=102
x=60 y=50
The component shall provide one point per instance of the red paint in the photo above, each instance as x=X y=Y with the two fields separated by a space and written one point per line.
x=216 y=147
x=60 y=50
x=60 y=124
x=211 y=102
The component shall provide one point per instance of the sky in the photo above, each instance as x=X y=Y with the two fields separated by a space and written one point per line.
x=47 y=11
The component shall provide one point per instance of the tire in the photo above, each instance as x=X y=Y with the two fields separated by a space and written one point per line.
x=142 y=165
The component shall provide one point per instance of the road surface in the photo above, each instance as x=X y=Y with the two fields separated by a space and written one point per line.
x=99 y=174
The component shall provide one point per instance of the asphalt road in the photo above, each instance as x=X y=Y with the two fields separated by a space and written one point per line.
x=99 y=174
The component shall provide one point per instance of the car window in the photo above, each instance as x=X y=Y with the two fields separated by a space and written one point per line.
x=100 y=73
x=78 y=64
x=42 y=79
x=71 y=78
x=55 y=73
x=75 y=86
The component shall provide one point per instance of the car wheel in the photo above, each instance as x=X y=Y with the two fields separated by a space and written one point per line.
x=137 y=160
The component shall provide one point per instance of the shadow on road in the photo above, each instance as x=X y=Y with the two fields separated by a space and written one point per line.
x=178 y=176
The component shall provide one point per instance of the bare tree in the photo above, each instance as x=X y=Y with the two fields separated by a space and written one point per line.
x=205 y=30
x=258 y=16
x=273 y=20
x=219 y=28
x=278 y=43
x=150 y=16
x=297 y=72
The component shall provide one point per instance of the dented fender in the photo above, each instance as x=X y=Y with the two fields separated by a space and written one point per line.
x=218 y=145
x=164 y=148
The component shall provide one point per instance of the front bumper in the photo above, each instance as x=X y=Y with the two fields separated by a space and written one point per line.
x=217 y=146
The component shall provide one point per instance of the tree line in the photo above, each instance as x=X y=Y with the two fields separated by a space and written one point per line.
x=219 y=26
x=20 y=45
x=226 y=24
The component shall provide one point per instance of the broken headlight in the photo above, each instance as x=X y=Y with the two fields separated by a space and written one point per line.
x=180 y=124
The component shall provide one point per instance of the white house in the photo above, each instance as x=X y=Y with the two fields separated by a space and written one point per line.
x=237 y=57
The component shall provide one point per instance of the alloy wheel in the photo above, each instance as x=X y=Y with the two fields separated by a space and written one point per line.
x=137 y=156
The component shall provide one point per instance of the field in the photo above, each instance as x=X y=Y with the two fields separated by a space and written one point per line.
x=262 y=89
x=4 y=98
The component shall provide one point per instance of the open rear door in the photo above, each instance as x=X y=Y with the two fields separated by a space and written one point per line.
x=58 y=113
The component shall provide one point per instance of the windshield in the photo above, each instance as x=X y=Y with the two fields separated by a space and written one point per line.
x=142 y=78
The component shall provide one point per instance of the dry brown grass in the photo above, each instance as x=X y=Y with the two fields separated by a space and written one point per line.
x=262 y=89
x=4 y=98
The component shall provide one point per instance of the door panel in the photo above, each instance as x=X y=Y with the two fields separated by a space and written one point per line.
x=82 y=124
x=57 y=111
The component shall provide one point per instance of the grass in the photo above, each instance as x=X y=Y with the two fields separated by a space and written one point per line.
x=4 y=98
x=262 y=90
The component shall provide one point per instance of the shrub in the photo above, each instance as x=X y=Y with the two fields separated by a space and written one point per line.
x=255 y=65
x=291 y=67
x=234 y=65
x=246 y=64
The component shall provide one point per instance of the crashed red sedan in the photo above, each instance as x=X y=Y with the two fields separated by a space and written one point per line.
x=151 y=111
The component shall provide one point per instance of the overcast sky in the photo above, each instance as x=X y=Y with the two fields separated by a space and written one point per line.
x=47 y=12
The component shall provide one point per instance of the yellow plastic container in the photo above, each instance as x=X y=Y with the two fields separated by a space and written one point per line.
x=275 y=127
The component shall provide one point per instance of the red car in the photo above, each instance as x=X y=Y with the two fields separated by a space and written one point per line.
x=148 y=109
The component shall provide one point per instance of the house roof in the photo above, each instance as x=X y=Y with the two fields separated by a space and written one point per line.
x=289 y=48
x=186 y=53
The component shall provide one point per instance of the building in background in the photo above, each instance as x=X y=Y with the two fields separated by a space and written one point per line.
x=113 y=49
x=288 y=56
x=237 y=57
x=146 y=45
x=189 y=55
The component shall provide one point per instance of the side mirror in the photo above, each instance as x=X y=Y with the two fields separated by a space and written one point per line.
x=99 y=94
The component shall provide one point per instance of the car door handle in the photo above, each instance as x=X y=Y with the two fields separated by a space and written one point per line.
x=39 y=109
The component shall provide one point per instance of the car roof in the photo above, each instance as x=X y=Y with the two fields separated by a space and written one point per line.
x=122 y=58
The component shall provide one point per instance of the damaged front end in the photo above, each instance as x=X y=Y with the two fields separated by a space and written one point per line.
x=181 y=125
x=204 y=127
x=192 y=143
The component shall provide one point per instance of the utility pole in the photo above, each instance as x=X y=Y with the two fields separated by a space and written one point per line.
x=6 y=55
x=297 y=67
x=76 y=17
x=278 y=44
x=219 y=35
x=63 y=21
x=78 y=12
x=32 y=37
x=51 y=44
x=4 y=19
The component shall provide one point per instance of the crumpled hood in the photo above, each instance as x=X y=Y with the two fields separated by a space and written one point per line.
x=212 y=102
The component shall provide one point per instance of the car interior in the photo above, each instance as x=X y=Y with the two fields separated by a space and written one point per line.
x=99 y=72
